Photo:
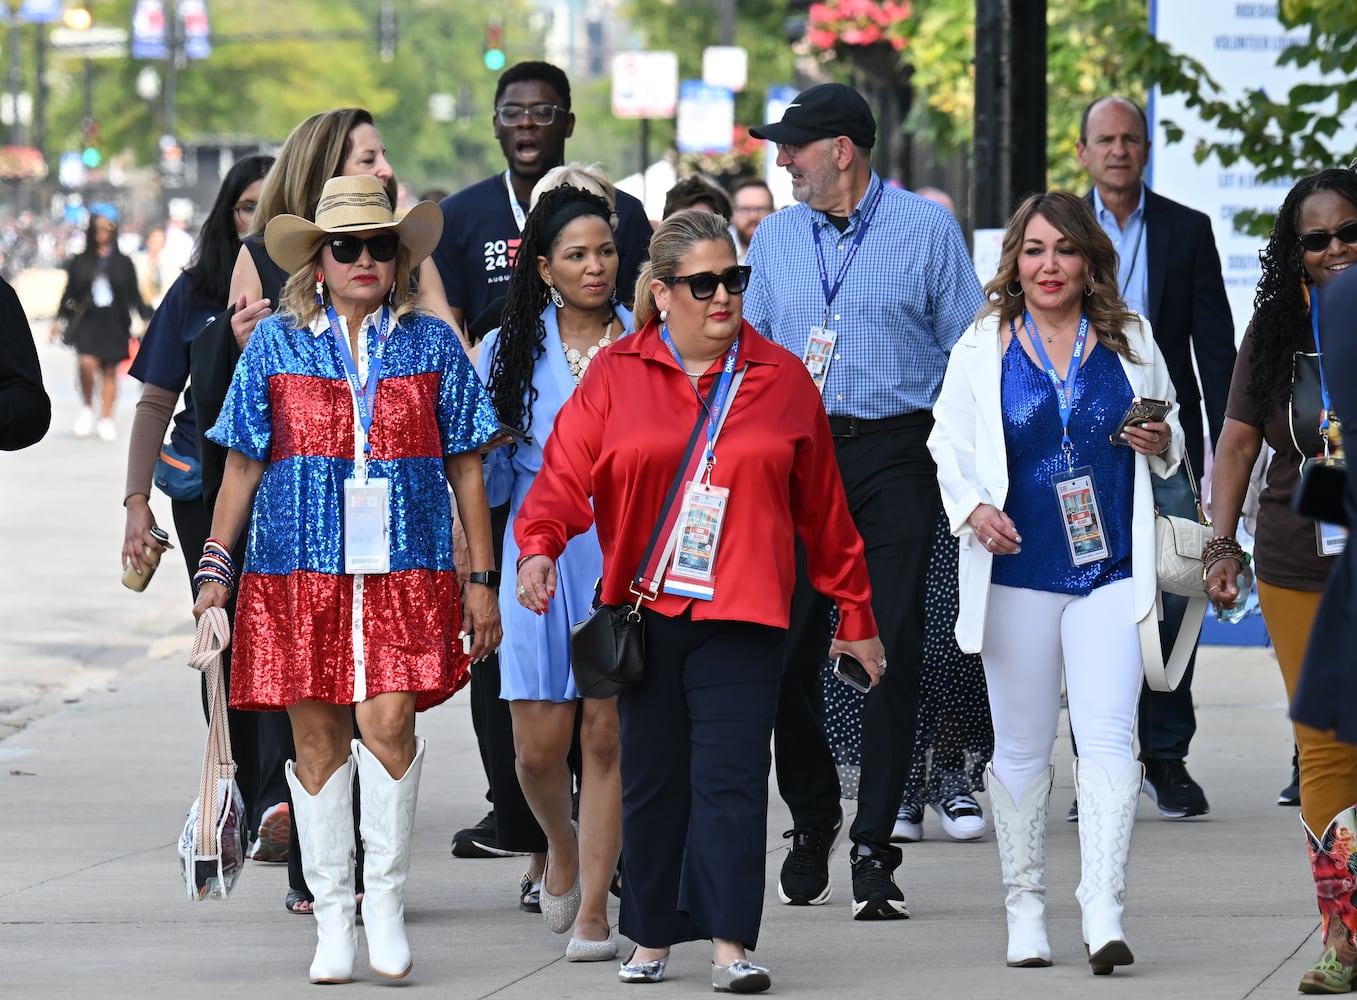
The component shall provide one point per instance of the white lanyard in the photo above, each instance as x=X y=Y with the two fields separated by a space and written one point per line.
x=520 y=216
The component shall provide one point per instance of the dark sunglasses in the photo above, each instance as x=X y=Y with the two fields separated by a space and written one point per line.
x=703 y=286
x=347 y=249
x=1319 y=242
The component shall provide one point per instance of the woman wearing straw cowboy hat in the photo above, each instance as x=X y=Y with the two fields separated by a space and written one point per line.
x=348 y=413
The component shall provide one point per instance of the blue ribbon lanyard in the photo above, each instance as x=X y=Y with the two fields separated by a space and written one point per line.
x=1323 y=385
x=364 y=395
x=722 y=390
x=1064 y=388
x=832 y=290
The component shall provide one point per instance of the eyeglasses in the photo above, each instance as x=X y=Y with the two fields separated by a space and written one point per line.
x=703 y=286
x=246 y=209
x=510 y=115
x=347 y=249
x=1319 y=242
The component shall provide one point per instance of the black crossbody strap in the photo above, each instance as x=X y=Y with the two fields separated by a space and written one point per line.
x=646 y=582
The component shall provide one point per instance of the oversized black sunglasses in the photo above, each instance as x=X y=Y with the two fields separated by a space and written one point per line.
x=1319 y=242
x=347 y=249
x=703 y=285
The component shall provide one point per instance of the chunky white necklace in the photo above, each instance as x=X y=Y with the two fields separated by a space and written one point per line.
x=579 y=363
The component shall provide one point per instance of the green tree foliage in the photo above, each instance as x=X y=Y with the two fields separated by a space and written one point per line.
x=274 y=64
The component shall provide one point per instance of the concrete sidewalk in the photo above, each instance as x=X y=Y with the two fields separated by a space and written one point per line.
x=94 y=787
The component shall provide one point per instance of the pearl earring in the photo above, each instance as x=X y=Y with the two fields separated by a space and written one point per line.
x=664 y=315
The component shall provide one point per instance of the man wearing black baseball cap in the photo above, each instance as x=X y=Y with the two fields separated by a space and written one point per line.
x=871 y=285
x=822 y=112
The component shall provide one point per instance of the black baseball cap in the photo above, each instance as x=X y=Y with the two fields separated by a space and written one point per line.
x=824 y=111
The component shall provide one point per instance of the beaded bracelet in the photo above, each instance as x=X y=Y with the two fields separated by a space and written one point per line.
x=1220 y=548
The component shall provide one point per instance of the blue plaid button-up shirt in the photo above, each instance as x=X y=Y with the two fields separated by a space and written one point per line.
x=908 y=295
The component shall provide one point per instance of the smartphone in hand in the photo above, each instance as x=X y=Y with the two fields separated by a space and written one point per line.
x=852 y=673
x=1143 y=410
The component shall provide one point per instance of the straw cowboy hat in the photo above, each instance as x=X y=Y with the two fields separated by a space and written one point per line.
x=347 y=205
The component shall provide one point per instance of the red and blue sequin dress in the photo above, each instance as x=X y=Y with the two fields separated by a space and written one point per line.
x=305 y=630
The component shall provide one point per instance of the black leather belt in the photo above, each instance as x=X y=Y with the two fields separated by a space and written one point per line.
x=851 y=427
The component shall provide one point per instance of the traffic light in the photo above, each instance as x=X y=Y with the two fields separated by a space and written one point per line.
x=494 y=46
x=90 y=155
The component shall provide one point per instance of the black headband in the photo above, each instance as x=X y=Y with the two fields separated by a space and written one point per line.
x=567 y=214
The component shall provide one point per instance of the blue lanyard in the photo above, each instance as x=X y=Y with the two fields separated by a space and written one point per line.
x=718 y=404
x=364 y=395
x=832 y=290
x=1319 y=352
x=1064 y=388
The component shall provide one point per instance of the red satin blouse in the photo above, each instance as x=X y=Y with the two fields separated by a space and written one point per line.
x=619 y=439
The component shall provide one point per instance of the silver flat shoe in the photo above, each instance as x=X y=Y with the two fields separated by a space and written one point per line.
x=559 y=912
x=642 y=972
x=739 y=977
x=580 y=950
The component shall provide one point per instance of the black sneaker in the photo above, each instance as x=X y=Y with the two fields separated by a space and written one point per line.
x=875 y=894
x=1172 y=789
x=481 y=841
x=805 y=873
x=1290 y=795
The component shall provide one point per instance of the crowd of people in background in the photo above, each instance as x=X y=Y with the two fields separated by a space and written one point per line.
x=396 y=429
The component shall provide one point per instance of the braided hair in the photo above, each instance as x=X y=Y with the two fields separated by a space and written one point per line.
x=522 y=334
x=1281 y=307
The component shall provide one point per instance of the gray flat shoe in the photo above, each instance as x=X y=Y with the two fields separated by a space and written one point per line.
x=580 y=950
x=739 y=977
x=559 y=912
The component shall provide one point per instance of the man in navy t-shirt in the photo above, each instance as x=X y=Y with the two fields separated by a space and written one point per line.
x=482 y=223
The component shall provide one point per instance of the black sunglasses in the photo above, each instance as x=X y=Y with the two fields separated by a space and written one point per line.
x=347 y=249
x=703 y=286
x=1319 y=242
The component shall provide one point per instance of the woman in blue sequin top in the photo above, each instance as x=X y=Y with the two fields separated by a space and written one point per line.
x=1029 y=412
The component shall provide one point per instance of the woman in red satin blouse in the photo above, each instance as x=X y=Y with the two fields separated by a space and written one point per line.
x=696 y=730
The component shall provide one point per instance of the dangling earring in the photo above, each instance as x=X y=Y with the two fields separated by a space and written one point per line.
x=320 y=288
x=391 y=296
x=556 y=298
x=1088 y=290
x=1011 y=290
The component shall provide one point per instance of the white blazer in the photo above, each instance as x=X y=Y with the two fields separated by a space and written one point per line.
x=967 y=443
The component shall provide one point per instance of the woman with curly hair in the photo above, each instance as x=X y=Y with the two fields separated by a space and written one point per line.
x=559 y=313
x=1277 y=396
x=1033 y=399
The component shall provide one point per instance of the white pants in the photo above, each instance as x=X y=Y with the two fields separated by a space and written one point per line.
x=1028 y=633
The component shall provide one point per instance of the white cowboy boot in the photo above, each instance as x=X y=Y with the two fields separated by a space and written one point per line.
x=1020 y=830
x=1107 y=812
x=325 y=828
x=387 y=820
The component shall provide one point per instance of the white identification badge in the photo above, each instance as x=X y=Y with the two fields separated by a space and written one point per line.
x=101 y=292
x=692 y=570
x=819 y=354
x=1331 y=538
x=1081 y=516
x=367 y=526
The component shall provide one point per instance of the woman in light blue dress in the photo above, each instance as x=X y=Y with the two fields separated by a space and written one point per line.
x=559 y=313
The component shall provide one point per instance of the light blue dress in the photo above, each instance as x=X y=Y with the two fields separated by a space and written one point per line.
x=534 y=656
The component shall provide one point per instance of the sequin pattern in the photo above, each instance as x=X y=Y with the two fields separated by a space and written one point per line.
x=1032 y=438
x=289 y=406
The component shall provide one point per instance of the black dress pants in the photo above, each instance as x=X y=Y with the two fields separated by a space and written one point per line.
x=695 y=761
x=891 y=483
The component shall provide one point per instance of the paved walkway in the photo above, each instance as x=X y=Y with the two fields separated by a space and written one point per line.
x=93 y=790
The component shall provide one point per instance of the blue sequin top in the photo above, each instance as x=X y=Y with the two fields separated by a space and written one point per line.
x=1032 y=438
